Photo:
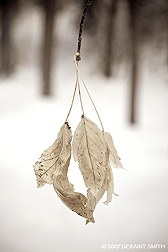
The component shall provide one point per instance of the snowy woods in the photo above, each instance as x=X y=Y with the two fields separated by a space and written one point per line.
x=119 y=32
x=124 y=63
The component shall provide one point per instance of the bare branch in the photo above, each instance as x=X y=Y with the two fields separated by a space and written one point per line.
x=88 y=4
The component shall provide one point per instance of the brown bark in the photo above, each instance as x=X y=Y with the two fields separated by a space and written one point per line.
x=6 y=23
x=133 y=5
x=109 y=47
x=48 y=45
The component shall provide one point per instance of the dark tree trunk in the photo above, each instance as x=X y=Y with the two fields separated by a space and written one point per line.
x=134 y=5
x=49 y=9
x=167 y=31
x=109 y=37
x=6 y=23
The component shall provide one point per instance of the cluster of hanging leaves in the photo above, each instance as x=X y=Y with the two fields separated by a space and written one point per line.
x=94 y=150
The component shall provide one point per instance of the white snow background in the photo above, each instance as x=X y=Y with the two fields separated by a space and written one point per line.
x=35 y=220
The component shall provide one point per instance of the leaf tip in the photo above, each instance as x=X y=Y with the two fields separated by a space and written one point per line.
x=90 y=220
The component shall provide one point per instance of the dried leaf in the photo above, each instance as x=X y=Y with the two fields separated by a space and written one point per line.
x=77 y=202
x=53 y=167
x=45 y=167
x=90 y=151
x=114 y=158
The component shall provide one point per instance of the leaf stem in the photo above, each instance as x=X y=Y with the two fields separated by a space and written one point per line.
x=90 y=97
x=77 y=80
x=72 y=101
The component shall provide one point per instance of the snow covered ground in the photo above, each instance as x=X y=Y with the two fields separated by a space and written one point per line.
x=35 y=219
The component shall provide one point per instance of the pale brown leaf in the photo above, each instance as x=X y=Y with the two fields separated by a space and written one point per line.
x=89 y=150
x=75 y=201
x=53 y=167
x=114 y=158
x=45 y=167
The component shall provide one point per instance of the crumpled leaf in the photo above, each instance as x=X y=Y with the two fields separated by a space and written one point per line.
x=77 y=202
x=45 y=167
x=114 y=158
x=53 y=167
x=89 y=150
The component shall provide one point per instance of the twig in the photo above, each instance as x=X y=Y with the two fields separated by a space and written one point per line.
x=88 y=4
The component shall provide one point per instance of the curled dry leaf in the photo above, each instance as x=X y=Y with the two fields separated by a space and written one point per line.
x=45 y=167
x=114 y=158
x=75 y=201
x=89 y=150
x=53 y=167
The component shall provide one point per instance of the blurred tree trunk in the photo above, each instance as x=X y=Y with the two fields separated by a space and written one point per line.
x=134 y=6
x=109 y=36
x=167 y=31
x=6 y=26
x=49 y=11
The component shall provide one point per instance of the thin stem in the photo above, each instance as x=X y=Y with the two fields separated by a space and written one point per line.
x=88 y=4
x=72 y=101
x=77 y=80
x=92 y=103
x=90 y=97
